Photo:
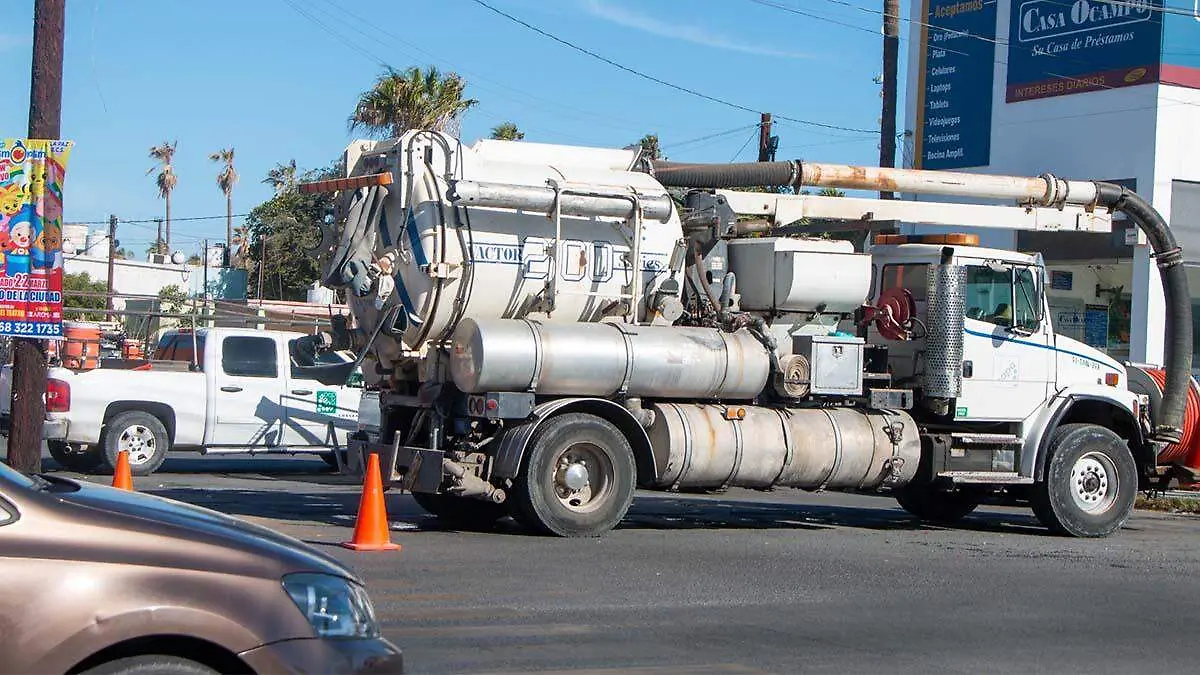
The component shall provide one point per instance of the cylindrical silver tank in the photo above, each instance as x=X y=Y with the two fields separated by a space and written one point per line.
x=813 y=449
x=604 y=359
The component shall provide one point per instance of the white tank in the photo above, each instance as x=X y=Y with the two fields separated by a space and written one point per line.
x=443 y=261
x=800 y=275
x=96 y=245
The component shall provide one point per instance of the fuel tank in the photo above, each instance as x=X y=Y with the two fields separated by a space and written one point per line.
x=697 y=445
x=607 y=359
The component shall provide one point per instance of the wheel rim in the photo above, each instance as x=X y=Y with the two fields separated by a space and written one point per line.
x=139 y=442
x=583 y=478
x=1094 y=482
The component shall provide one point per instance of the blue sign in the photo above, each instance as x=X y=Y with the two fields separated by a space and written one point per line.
x=958 y=54
x=1059 y=47
x=1095 y=326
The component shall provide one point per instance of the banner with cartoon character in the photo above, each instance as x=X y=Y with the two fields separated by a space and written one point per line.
x=31 y=203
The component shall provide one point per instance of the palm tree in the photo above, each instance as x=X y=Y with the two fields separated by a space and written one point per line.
x=507 y=131
x=240 y=246
x=412 y=99
x=166 y=178
x=282 y=177
x=225 y=180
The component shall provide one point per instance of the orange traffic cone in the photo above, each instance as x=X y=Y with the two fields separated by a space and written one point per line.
x=371 y=529
x=123 y=477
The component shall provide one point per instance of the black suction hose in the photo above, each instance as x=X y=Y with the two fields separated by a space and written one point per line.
x=684 y=175
x=1169 y=257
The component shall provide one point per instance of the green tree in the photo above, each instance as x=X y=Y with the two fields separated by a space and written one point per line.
x=166 y=178
x=195 y=259
x=282 y=235
x=172 y=299
x=650 y=147
x=507 y=131
x=226 y=178
x=282 y=177
x=80 y=291
x=412 y=99
x=831 y=192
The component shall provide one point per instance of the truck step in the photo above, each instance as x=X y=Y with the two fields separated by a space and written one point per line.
x=987 y=439
x=990 y=477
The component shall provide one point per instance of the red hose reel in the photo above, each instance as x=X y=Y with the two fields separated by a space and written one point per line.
x=893 y=314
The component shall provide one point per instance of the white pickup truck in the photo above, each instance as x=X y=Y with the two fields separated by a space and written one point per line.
x=223 y=390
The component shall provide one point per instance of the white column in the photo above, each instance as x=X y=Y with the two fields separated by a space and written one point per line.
x=1148 y=316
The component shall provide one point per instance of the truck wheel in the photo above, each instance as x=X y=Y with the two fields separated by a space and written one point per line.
x=74 y=457
x=1090 y=482
x=140 y=433
x=578 y=477
x=461 y=512
x=928 y=503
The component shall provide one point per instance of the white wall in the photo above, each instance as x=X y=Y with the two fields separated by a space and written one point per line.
x=132 y=277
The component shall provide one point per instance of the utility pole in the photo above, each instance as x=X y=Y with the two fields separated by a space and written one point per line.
x=891 y=51
x=765 y=151
x=262 y=259
x=45 y=122
x=112 y=256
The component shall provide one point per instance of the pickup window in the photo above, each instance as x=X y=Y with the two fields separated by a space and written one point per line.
x=243 y=356
x=180 y=347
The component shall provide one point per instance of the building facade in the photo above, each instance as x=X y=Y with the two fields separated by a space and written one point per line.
x=1084 y=89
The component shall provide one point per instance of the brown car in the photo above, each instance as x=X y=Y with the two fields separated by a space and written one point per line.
x=97 y=580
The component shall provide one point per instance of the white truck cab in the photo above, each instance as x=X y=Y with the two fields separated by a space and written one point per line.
x=1020 y=380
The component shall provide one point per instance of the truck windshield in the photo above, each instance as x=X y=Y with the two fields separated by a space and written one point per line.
x=1003 y=296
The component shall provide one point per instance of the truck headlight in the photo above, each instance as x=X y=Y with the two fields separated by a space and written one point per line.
x=336 y=607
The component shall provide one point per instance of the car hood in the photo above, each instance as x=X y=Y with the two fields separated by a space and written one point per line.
x=159 y=531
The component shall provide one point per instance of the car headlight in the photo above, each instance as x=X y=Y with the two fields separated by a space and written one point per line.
x=336 y=607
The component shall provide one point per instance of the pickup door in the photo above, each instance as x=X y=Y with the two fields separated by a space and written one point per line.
x=315 y=411
x=246 y=387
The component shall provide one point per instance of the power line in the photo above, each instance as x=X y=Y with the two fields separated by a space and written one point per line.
x=743 y=148
x=652 y=78
x=137 y=221
x=533 y=99
x=719 y=134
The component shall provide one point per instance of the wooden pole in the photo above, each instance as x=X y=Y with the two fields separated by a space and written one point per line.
x=45 y=122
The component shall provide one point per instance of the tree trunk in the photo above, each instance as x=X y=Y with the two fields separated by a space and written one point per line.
x=229 y=224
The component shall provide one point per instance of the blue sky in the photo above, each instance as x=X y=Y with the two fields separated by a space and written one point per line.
x=276 y=79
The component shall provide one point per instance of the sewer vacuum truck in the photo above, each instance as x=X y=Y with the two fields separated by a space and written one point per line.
x=551 y=327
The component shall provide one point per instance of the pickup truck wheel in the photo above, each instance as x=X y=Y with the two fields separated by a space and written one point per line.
x=578 y=477
x=142 y=435
x=469 y=514
x=1090 y=482
x=928 y=503
x=74 y=457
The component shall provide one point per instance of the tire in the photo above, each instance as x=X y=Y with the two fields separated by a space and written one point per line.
x=577 y=478
x=151 y=664
x=929 y=504
x=143 y=435
x=73 y=458
x=461 y=512
x=1090 y=482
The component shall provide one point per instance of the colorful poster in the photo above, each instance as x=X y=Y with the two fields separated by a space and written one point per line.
x=31 y=264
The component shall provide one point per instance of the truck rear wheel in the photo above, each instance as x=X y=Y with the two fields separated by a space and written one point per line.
x=74 y=457
x=1090 y=482
x=463 y=512
x=928 y=503
x=578 y=477
x=142 y=435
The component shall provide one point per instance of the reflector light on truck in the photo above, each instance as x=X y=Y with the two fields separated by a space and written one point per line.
x=58 y=396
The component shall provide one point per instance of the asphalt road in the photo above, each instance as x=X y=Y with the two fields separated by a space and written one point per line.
x=743 y=583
